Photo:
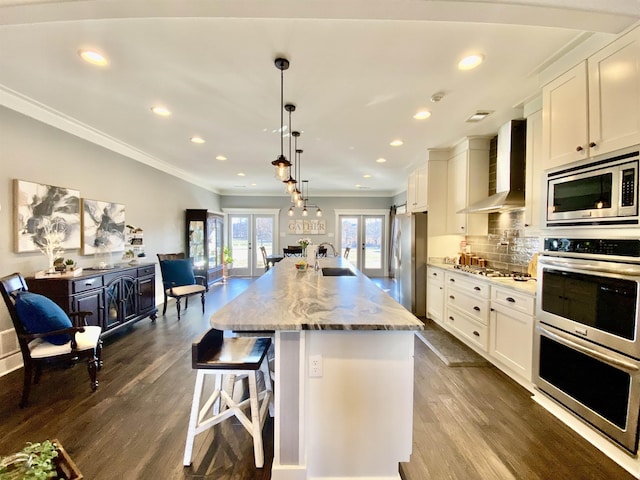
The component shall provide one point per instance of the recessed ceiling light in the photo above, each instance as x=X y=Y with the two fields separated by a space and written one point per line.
x=381 y=160
x=161 y=111
x=197 y=140
x=421 y=115
x=93 y=57
x=470 y=62
x=396 y=143
x=253 y=184
x=357 y=185
x=366 y=175
x=478 y=116
x=222 y=158
x=241 y=174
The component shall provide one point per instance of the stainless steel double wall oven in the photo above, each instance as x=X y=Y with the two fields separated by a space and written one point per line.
x=587 y=341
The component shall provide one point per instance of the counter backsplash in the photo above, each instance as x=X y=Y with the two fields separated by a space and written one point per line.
x=505 y=246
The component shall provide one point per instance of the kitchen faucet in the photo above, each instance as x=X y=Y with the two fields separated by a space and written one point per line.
x=333 y=249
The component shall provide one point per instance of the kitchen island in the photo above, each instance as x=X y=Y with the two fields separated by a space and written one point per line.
x=343 y=370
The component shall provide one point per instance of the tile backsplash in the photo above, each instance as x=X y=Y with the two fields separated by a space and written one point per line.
x=505 y=246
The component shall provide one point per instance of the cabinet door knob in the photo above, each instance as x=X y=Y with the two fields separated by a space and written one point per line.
x=452 y=297
x=452 y=280
x=476 y=333
x=592 y=144
x=476 y=308
x=451 y=318
x=477 y=289
x=579 y=148
x=510 y=299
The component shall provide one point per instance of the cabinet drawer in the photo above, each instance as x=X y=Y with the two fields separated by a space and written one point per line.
x=148 y=270
x=519 y=302
x=471 y=331
x=86 y=284
x=435 y=275
x=477 y=288
x=475 y=307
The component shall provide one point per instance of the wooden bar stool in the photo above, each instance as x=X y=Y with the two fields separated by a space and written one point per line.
x=236 y=358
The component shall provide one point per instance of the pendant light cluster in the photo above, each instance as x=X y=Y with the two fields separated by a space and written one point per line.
x=299 y=191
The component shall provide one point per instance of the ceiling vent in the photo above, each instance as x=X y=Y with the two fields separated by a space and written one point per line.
x=478 y=116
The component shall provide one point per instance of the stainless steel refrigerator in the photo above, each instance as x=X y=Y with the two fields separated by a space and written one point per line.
x=409 y=253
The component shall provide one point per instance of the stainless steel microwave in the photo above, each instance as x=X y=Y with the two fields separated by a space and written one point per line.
x=594 y=192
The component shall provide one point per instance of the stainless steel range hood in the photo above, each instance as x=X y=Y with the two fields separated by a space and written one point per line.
x=510 y=166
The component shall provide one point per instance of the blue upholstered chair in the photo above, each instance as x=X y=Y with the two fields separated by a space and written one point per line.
x=46 y=334
x=179 y=281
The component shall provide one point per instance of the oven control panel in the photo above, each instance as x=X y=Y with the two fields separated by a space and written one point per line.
x=613 y=247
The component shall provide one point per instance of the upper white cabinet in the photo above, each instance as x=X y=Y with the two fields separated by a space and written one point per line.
x=437 y=196
x=614 y=95
x=417 y=190
x=594 y=108
x=467 y=182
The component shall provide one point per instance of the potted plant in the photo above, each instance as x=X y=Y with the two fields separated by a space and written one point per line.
x=70 y=264
x=38 y=461
x=227 y=263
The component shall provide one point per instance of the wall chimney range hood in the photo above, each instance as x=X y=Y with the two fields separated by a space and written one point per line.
x=510 y=166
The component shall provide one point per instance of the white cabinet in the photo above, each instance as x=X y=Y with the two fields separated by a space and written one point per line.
x=594 y=108
x=614 y=95
x=435 y=294
x=511 y=332
x=467 y=309
x=564 y=115
x=437 y=196
x=417 y=190
x=534 y=182
x=467 y=182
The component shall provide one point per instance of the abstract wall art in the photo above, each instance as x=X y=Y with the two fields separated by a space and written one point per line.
x=42 y=211
x=102 y=227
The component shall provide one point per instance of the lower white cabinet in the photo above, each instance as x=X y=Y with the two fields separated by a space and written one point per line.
x=435 y=294
x=511 y=332
x=467 y=303
x=469 y=329
x=496 y=321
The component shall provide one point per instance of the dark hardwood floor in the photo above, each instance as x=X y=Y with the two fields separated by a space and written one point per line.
x=469 y=422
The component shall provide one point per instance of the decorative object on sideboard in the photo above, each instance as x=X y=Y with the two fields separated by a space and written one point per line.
x=37 y=205
x=102 y=227
x=134 y=245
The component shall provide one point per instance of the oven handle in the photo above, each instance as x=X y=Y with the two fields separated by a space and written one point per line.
x=614 y=362
x=602 y=267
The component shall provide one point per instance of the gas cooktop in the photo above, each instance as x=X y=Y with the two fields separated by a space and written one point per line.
x=490 y=272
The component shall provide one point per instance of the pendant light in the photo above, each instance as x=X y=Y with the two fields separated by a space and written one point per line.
x=296 y=165
x=281 y=163
x=305 y=186
x=299 y=197
x=290 y=181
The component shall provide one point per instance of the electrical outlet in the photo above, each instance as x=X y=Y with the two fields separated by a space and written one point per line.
x=315 y=365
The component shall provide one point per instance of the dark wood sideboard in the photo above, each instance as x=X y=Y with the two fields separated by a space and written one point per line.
x=117 y=297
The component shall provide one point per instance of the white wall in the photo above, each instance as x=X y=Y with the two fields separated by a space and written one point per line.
x=154 y=201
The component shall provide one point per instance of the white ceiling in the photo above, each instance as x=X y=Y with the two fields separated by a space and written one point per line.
x=359 y=71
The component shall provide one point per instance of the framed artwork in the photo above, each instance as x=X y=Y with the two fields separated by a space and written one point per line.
x=42 y=211
x=307 y=227
x=102 y=227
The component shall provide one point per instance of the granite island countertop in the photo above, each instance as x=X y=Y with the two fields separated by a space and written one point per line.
x=287 y=299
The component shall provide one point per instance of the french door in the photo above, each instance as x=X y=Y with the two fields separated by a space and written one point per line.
x=246 y=233
x=365 y=235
